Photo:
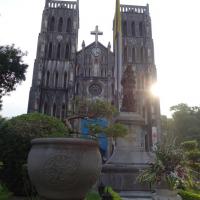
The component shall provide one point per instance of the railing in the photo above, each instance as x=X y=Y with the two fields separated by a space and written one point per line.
x=133 y=9
x=62 y=4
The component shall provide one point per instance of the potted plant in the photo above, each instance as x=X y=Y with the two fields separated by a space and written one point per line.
x=66 y=168
x=167 y=172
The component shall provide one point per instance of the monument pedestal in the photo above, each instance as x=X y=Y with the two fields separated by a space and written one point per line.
x=129 y=156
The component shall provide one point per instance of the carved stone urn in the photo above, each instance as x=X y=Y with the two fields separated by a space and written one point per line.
x=63 y=168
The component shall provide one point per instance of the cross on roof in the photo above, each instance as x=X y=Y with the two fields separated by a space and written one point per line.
x=96 y=32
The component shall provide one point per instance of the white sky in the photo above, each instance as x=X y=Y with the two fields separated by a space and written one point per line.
x=176 y=34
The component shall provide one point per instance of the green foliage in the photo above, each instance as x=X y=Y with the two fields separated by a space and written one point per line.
x=1 y=165
x=94 y=109
x=116 y=130
x=115 y=195
x=95 y=129
x=15 y=137
x=12 y=69
x=186 y=122
x=189 y=195
x=4 y=193
x=92 y=196
x=168 y=167
x=192 y=153
x=2 y=120
x=167 y=126
x=189 y=145
x=35 y=125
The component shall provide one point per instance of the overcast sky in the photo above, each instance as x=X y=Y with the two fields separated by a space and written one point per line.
x=176 y=34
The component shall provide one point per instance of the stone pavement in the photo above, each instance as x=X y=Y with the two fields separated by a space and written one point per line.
x=136 y=195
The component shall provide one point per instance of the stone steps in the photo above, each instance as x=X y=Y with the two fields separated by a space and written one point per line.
x=136 y=195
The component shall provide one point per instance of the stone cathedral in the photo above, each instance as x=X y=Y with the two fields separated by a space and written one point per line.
x=62 y=72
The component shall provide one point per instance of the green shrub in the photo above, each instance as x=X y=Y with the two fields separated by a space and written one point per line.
x=92 y=196
x=4 y=193
x=189 y=145
x=114 y=194
x=15 y=137
x=189 y=195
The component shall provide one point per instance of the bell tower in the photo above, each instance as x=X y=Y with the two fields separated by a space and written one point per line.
x=53 y=75
x=138 y=51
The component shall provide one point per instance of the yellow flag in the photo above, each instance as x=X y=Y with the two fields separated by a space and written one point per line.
x=117 y=20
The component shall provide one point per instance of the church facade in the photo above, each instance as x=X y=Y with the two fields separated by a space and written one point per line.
x=62 y=73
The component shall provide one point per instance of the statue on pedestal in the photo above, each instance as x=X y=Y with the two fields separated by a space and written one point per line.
x=128 y=84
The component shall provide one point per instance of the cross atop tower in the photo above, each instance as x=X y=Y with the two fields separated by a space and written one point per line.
x=96 y=32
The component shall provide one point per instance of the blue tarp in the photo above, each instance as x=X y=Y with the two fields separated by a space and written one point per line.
x=103 y=142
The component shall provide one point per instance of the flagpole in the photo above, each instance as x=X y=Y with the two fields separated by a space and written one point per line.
x=118 y=52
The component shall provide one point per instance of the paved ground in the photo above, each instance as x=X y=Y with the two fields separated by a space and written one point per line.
x=137 y=198
x=126 y=195
x=136 y=195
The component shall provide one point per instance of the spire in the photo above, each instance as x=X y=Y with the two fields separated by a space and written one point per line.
x=46 y=3
x=109 y=46
x=83 y=44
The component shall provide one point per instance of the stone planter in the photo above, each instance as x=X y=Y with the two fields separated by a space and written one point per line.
x=166 y=194
x=64 y=168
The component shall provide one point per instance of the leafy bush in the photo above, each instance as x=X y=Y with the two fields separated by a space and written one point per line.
x=168 y=167
x=15 y=137
x=189 y=195
x=192 y=152
x=92 y=196
x=94 y=109
x=189 y=145
x=116 y=130
x=115 y=195
x=4 y=193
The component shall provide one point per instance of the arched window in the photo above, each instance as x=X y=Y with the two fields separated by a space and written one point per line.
x=89 y=71
x=133 y=29
x=50 y=51
x=146 y=55
x=54 y=110
x=133 y=55
x=58 y=51
x=78 y=70
x=47 y=79
x=65 y=80
x=52 y=24
x=67 y=52
x=142 y=82
x=45 y=109
x=113 y=88
x=56 y=79
x=125 y=54
x=142 y=54
x=141 y=29
x=63 y=111
x=125 y=28
x=143 y=111
x=45 y=50
x=69 y=25
x=101 y=72
x=60 y=24
x=77 y=88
